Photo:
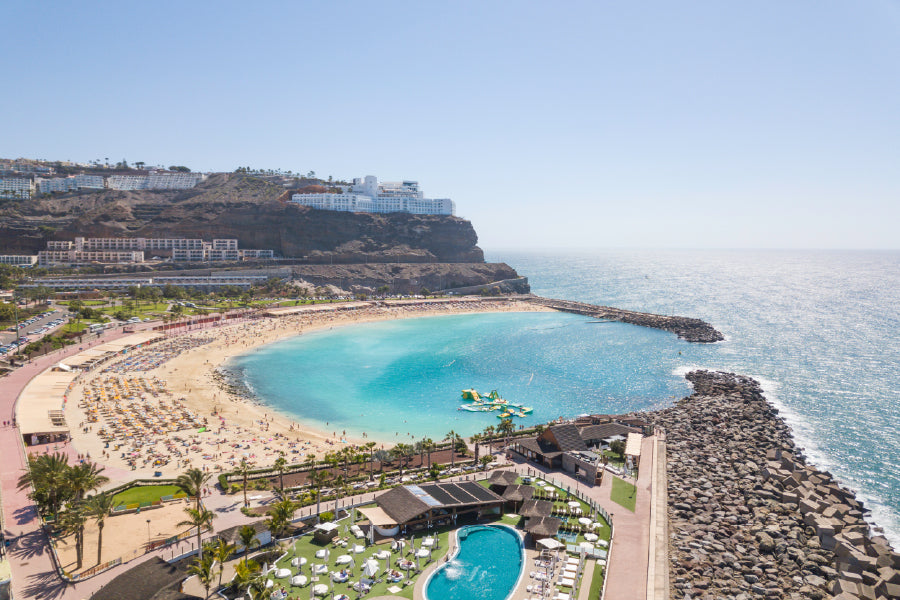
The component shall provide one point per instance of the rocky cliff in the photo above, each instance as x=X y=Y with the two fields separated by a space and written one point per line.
x=243 y=207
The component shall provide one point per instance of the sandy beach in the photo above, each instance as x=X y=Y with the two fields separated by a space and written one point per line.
x=166 y=393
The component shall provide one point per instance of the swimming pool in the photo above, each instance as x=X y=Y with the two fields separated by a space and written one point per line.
x=487 y=565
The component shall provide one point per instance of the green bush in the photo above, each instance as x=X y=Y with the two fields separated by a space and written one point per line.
x=327 y=516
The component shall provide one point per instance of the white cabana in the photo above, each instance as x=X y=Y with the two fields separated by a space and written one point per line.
x=370 y=568
x=550 y=543
x=321 y=589
x=282 y=573
x=299 y=580
x=343 y=559
x=358 y=549
x=423 y=553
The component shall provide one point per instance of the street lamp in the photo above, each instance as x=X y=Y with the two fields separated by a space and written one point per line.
x=148 y=531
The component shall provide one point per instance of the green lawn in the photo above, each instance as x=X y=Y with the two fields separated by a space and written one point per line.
x=306 y=547
x=596 y=582
x=147 y=493
x=623 y=493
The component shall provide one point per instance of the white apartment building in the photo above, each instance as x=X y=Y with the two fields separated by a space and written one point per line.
x=81 y=243
x=19 y=188
x=154 y=181
x=90 y=182
x=367 y=195
x=77 y=257
x=68 y=184
x=19 y=260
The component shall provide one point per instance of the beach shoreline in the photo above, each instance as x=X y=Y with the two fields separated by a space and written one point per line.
x=241 y=426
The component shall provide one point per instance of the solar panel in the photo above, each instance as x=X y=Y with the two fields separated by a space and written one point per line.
x=479 y=491
x=461 y=495
x=423 y=495
x=442 y=496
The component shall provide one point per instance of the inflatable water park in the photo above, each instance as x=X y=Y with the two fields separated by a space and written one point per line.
x=490 y=402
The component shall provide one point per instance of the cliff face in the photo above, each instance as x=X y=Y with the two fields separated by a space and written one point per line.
x=246 y=208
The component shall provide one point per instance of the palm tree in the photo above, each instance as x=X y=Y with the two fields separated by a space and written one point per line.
x=382 y=456
x=245 y=573
x=452 y=436
x=370 y=446
x=46 y=474
x=280 y=516
x=318 y=479
x=191 y=482
x=280 y=466
x=506 y=427
x=247 y=534
x=244 y=470
x=428 y=446
x=489 y=435
x=202 y=567
x=99 y=507
x=221 y=551
x=475 y=439
x=199 y=518
x=84 y=478
x=401 y=451
x=72 y=522
x=485 y=461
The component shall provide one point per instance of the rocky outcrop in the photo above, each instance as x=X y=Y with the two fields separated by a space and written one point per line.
x=242 y=207
x=748 y=517
x=687 y=328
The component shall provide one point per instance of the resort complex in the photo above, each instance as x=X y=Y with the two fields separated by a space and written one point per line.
x=368 y=195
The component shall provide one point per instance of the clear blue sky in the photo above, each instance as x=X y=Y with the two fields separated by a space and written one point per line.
x=552 y=124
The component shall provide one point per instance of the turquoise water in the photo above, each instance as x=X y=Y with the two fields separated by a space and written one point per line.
x=395 y=380
x=487 y=566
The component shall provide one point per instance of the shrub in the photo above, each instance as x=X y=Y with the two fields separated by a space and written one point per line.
x=327 y=516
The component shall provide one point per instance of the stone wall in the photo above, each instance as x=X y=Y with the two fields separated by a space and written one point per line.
x=748 y=517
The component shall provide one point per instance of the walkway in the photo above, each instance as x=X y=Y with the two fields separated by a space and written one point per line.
x=33 y=572
x=626 y=575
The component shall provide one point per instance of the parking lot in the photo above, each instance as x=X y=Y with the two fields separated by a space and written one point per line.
x=31 y=329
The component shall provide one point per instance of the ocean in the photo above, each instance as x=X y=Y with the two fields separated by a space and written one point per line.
x=819 y=330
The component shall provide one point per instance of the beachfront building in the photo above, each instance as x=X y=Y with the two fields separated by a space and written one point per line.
x=368 y=195
x=154 y=181
x=578 y=450
x=409 y=508
x=19 y=260
x=17 y=188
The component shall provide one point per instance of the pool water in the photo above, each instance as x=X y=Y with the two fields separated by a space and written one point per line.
x=487 y=566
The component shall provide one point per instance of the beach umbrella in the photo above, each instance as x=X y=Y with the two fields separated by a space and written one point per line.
x=343 y=559
x=370 y=568
x=423 y=553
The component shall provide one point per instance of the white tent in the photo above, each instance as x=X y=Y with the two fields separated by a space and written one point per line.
x=550 y=543
x=370 y=568
x=423 y=553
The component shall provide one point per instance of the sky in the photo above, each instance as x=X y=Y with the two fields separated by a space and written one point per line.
x=551 y=124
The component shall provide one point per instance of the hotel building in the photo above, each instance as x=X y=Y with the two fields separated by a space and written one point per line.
x=19 y=260
x=19 y=188
x=367 y=195
x=154 y=181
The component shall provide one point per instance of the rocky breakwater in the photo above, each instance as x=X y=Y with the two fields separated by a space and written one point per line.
x=687 y=328
x=748 y=518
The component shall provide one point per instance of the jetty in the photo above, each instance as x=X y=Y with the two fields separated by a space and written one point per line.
x=687 y=328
